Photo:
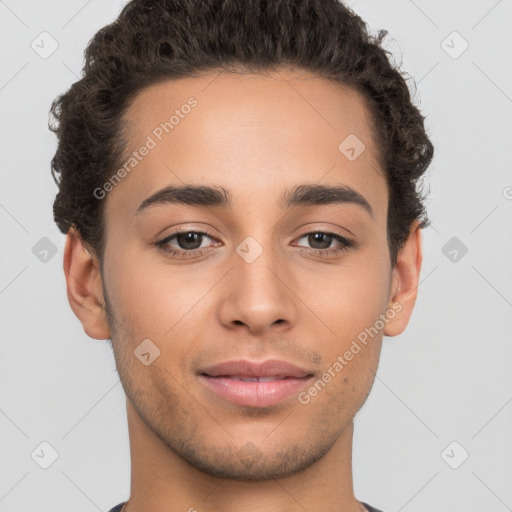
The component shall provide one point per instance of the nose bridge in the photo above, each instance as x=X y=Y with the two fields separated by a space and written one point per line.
x=257 y=265
x=258 y=296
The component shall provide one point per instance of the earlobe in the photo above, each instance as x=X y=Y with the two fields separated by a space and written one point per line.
x=405 y=280
x=85 y=287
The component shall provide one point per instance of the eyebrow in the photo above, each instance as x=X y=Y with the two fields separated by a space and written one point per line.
x=300 y=195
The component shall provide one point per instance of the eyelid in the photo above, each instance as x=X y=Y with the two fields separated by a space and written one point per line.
x=184 y=231
x=344 y=244
x=205 y=232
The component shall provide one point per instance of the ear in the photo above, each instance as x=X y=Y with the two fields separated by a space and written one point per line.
x=85 y=287
x=404 y=282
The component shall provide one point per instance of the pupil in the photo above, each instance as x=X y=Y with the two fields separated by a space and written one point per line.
x=316 y=236
x=184 y=239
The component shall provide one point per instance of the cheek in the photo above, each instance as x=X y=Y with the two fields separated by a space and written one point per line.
x=153 y=298
x=156 y=300
x=352 y=306
x=352 y=299
x=347 y=379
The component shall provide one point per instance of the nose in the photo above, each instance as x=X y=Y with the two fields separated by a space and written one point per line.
x=259 y=291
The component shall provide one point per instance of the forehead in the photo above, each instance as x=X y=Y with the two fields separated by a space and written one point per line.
x=250 y=133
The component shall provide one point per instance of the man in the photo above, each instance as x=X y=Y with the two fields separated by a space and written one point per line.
x=237 y=181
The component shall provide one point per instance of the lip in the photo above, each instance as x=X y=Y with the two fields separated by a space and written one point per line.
x=242 y=367
x=282 y=380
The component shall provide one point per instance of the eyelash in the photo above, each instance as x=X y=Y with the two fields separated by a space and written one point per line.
x=345 y=244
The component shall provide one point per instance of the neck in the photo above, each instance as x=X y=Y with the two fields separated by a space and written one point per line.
x=161 y=480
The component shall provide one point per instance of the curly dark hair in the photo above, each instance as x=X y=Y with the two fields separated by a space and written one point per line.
x=155 y=40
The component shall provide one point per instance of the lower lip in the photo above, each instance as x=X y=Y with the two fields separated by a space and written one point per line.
x=254 y=394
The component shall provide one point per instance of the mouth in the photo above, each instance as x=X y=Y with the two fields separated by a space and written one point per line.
x=250 y=379
x=251 y=384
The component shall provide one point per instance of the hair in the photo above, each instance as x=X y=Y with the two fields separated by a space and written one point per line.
x=156 y=40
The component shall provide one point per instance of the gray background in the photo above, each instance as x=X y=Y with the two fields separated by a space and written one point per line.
x=446 y=379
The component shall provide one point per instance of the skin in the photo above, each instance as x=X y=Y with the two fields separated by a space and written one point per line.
x=256 y=136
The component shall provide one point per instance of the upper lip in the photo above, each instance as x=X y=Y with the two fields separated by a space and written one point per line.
x=243 y=368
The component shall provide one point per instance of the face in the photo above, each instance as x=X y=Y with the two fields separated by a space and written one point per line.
x=249 y=272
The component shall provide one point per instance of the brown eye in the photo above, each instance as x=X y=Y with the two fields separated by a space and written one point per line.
x=184 y=243
x=189 y=240
x=321 y=243
x=320 y=240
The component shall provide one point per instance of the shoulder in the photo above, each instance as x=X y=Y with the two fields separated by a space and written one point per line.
x=118 y=508
x=370 y=508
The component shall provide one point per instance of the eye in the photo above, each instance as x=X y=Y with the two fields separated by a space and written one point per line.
x=323 y=241
x=189 y=243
